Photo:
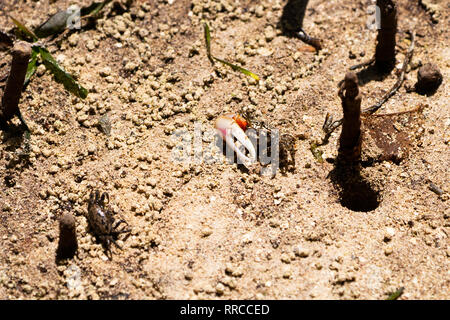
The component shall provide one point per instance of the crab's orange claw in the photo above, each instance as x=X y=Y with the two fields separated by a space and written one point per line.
x=230 y=129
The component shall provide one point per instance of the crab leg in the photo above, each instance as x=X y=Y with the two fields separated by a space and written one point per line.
x=229 y=129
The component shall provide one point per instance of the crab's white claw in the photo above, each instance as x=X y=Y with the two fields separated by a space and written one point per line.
x=230 y=130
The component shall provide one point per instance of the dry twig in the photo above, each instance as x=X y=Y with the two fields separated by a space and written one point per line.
x=400 y=79
x=329 y=125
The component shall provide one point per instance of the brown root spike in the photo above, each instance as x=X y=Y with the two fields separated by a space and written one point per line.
x=10 y=102
x=67 y=245
x=350 y=139
x=385 y=49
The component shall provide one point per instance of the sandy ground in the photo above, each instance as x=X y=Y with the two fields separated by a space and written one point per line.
x=215 y=230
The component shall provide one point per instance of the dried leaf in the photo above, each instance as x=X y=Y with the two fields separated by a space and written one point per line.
x=237 y=68
x=395 y=295
x=94 y=8
x=105 y=125
x=55 y=24
x=24 y=29
x=62 y=76
x=59 y=21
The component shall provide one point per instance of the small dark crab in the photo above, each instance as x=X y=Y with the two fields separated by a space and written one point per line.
x=102 y=222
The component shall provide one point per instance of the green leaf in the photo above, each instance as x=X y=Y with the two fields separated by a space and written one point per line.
x=212 y=58
x=94 y=8
x=208 y=41
x=24 y=29
x=317 y=153
x=395 y=295
x=237 y=68
x=26 y=141
x=31 y=69
x=55 y=24
x=60 y=75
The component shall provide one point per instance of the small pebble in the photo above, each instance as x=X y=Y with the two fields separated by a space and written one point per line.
x=285 y=258
x=429 y=78
x=287 y=274
x=206 y=232
x=220 y=289
x=46 y=153
x=92 y=149
x=106 y=71
x=388 y=250
x=301 y=252
x=53 y=169
x=389 y=234
x=269 y=34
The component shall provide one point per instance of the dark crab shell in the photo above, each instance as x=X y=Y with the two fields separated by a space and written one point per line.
x=101 y=220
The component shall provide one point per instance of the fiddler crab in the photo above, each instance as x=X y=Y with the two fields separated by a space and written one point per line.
x=232 y=126
x=102 y=222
